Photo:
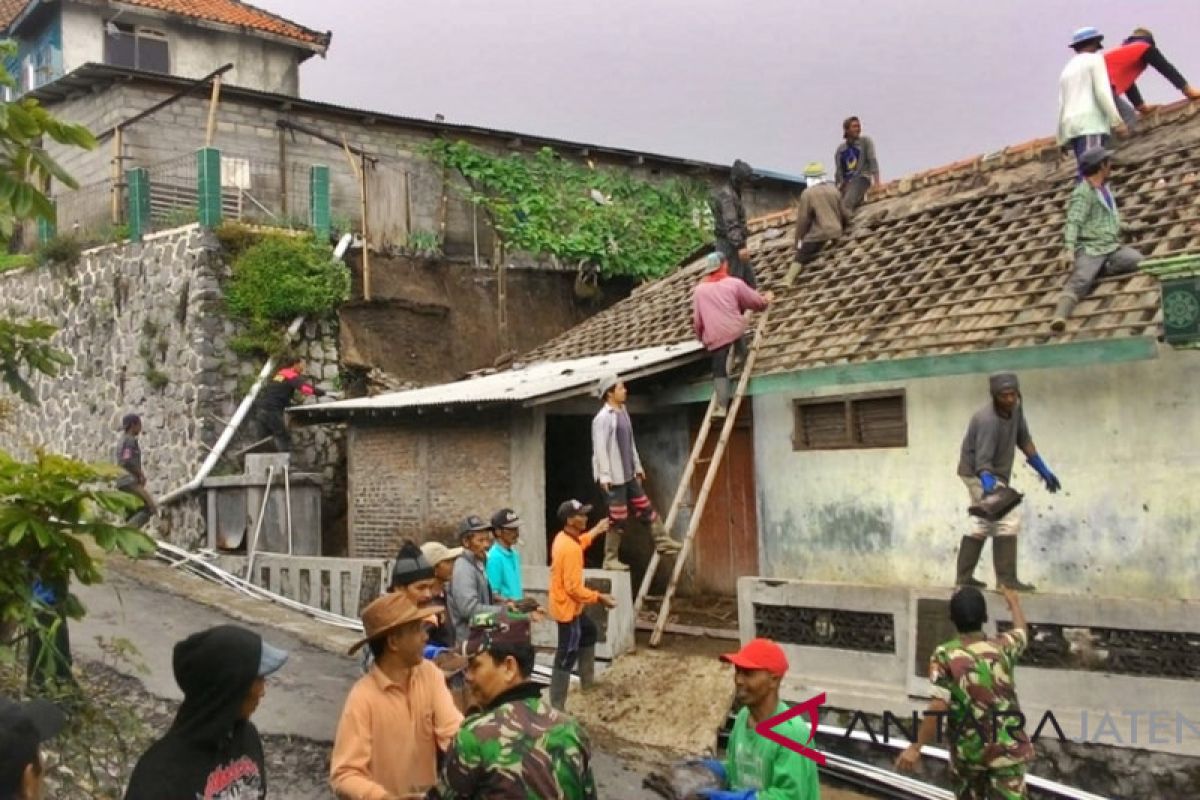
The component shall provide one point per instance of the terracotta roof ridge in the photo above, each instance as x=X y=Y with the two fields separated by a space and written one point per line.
x=1030 y=150
x=317 y=37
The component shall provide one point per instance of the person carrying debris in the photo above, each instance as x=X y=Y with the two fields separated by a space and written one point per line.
x=1127 y=63
x=518 y=745
x=820 y=218
x=856 y=165
x=568 y=598
x=129 y=458
x=729 y=222
x=985 y=464
x=1093 y=235
x=755 y=767
x=617 y=467
x=24 y=728
x=973 y=687
x=439 y=627
x=212 y=748
x=399 y=716
x=1087 y=112
x=719 y=303
x=469 y=592
x=277 y=396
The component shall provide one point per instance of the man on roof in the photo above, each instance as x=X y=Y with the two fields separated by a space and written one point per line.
x=856 y=164
x=1093 y=235
x=617 y=467
x=1087 y=112
x=719 y=303
x=820 y=218
x=729 y=222
x=1127 y=63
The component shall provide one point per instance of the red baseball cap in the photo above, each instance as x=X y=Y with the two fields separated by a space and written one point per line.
x=760 y=654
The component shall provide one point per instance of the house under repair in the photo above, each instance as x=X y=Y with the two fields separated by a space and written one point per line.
x=837 y=513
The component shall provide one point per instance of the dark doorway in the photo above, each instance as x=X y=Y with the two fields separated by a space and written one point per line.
x=569 y=475
x=726 y=545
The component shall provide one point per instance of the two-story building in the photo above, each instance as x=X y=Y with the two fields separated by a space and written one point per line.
x=172 y=37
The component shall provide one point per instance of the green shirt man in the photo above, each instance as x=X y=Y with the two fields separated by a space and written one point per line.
x=755 y=767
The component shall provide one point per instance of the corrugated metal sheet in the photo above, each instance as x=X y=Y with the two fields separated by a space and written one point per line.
x=526 y=385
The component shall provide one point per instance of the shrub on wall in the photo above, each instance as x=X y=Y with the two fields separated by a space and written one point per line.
x=278 y=279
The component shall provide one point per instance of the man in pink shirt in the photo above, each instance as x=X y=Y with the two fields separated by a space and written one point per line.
x=719 y=303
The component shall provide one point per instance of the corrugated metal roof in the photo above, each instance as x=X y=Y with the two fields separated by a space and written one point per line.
x=528 y=385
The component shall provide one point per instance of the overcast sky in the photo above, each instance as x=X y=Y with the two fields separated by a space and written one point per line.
x=934 y=81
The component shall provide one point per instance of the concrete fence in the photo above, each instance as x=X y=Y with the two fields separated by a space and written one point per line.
x=1109 y=670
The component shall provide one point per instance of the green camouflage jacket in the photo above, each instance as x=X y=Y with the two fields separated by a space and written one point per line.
x=976 y=681
x=519 y=748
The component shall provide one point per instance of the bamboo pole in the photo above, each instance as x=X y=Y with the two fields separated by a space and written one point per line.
x=360 y=174
x=118 y=146
x=710 y=477
x=677 y=502
x=212 y=111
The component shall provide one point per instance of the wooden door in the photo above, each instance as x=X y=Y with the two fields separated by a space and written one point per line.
x=726 y=545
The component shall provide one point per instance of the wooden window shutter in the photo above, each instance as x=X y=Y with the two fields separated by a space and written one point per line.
x=880 y=422
x=821 y=426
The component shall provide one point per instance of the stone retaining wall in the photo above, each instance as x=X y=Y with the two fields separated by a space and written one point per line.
x=146 y=327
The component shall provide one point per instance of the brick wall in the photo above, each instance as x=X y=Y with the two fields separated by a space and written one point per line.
x=419 y=481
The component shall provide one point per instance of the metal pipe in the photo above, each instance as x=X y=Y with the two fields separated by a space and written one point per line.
x=243 y=410
x=262 y=513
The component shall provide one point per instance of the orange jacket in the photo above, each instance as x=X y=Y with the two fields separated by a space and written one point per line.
x=568 y=595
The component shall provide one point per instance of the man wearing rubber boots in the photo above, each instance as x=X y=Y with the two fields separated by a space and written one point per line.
x=617 y=467
x=985 y=465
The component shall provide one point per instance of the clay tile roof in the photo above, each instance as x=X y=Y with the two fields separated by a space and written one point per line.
x=226 y=12
x=966 y=257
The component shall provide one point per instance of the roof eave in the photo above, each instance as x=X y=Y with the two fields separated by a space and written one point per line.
x=20 y=18
x=319 y=47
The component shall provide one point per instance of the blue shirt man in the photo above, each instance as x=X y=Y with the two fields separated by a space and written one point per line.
x=503 y=561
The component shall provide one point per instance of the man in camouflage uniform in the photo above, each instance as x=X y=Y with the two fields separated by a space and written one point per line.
x=973 y=687
x=518 y=746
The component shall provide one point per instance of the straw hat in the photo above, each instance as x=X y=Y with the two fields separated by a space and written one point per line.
x=389 y=612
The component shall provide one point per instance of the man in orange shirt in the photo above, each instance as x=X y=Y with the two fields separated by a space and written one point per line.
x=397 y=716
x=568 y=598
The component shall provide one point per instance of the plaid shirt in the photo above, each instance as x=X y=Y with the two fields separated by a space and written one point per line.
x=1093 y=225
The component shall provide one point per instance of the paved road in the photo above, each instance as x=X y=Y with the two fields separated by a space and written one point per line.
x=303 y=699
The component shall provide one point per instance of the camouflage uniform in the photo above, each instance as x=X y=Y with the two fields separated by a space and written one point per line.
x=987 y=760
x=519 y=748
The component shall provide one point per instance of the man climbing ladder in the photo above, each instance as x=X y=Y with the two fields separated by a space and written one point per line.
x=617 y=467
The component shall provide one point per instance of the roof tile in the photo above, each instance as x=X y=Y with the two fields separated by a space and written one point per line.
x=227 y=12
x=970 y=261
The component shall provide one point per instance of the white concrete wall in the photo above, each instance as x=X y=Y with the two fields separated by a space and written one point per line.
x=528 y=482
x=1121 y=437
x=193 y=51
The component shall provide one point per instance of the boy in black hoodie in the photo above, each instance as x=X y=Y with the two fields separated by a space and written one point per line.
x=212 y=751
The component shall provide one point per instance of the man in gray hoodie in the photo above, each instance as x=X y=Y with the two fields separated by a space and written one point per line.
x=985 y=464
x=617 y=467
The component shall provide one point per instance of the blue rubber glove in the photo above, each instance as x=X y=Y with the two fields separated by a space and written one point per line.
x=988 y=480
x=714 y=766
x=44 y=594
x=1052 y=482
x=729 y=794
x=432 y=651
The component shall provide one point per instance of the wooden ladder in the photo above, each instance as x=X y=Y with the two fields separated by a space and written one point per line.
x=714 y=464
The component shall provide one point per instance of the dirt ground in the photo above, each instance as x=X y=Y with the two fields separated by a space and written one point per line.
x=664 y=700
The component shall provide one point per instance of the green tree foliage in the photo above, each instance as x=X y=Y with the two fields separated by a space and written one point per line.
x=608 y=220
x=283 y=277
x=51 y=505
x=24 y=163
